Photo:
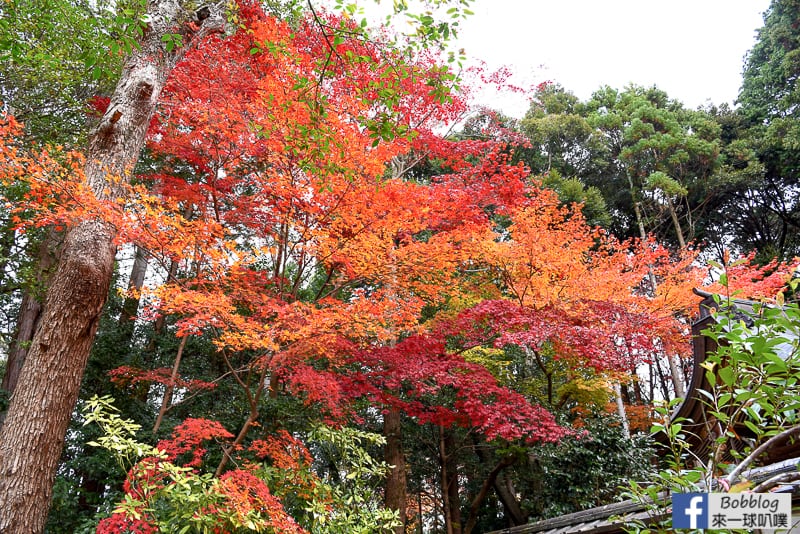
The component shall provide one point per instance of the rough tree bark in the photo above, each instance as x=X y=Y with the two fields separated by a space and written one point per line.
x=30 y=311
x=33 y=435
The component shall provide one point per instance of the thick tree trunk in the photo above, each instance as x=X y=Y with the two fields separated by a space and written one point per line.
x=33 y=435
x=30 y=311
x=395 y=495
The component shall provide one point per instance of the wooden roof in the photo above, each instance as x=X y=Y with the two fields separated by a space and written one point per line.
x=692 y=410
x=611 y=518
x=595 y=520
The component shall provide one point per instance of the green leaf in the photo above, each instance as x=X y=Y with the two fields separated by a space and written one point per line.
x=693 y=476
x=727 y=376
x=711 y=377
x=753 y=428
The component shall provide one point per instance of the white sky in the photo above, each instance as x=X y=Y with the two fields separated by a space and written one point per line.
x=692 y=49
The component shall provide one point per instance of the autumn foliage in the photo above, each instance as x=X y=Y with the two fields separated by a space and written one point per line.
x=278 y=209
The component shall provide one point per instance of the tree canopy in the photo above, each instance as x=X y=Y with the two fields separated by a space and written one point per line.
x=295 y=280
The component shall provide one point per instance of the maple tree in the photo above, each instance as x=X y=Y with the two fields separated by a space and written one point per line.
x=87 y=255
x=281 y=228
x=292 y=214
x=316 y=242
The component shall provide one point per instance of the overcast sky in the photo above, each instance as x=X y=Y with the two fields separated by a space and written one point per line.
x=692 y=49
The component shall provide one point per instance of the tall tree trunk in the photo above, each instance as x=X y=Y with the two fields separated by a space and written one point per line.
x=677 y=378
x=33 y=435
x=32 y=438
x=623 y=417
x=448 y=510
x=452 y=501
x=161 y=321
x=27 y=321
x=30 y=311
x=676 y=223
x=395 y=495
x=130 y=308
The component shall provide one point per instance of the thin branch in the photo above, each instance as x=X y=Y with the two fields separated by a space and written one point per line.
x=167 y=400
x=734 y=475
x=776 y=480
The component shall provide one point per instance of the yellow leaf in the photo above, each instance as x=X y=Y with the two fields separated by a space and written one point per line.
x=741 y=487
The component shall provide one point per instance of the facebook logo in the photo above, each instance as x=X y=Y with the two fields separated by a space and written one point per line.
x=690 y=510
